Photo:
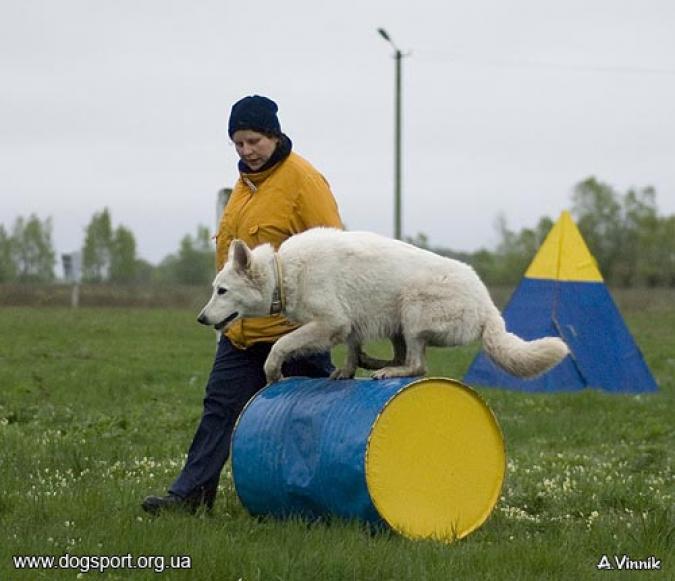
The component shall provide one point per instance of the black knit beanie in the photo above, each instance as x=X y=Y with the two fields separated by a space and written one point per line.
x=256 y=113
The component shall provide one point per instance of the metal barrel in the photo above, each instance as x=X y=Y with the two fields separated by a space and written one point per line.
x=424 y=456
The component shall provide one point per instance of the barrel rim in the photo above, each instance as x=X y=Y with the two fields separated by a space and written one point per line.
x=473 y=392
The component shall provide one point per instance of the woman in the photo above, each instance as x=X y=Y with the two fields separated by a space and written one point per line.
x=278 y=194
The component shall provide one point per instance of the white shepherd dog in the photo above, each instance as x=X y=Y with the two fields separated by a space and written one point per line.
x=350 y=287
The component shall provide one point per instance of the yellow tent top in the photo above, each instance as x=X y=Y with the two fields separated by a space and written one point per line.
x=564 y=255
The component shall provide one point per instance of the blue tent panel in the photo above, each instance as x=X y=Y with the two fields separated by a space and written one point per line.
x=604 y=353
x=601 y=344
x=529 y=315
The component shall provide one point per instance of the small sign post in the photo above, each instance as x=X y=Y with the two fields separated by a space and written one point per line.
x=221 y=202
x=72 y=272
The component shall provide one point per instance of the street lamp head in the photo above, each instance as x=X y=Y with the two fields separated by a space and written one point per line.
x=383 y=34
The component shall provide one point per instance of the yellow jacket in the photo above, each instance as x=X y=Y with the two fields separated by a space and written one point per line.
x=271 y=206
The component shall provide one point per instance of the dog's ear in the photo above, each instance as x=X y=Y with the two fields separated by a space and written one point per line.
x=230 y=250
x=240 y=254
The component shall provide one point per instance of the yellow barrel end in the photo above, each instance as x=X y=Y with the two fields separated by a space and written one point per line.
x=435 y=461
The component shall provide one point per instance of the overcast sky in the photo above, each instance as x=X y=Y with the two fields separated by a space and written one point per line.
x=506 y=106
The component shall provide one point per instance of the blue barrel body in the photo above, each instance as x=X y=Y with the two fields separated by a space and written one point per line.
x=299 y=447
x=424 y=456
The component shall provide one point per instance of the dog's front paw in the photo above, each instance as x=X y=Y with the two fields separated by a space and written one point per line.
x=272 y=372
x=343 y=373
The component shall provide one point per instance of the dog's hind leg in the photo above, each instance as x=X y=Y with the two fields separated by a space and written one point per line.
x=414 y=361
x=365 y=361
x=400 y=351
x=348 y=370
x=313 y=337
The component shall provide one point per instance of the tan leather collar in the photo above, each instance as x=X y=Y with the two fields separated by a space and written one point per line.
x=278 y=295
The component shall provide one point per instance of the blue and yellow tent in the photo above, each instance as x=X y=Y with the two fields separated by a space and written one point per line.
x=563 y=294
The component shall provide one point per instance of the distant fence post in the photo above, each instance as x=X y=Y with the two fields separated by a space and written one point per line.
x=72 y=273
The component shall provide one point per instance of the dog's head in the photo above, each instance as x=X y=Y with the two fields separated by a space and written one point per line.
x=238 y=290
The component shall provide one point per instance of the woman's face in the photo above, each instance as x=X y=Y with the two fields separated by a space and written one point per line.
x=254 y=148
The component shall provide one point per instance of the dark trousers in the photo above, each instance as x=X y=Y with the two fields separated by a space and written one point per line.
x=237 y=375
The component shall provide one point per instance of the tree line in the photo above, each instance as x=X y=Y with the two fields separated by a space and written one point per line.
x=108 y=255
x=633 y=244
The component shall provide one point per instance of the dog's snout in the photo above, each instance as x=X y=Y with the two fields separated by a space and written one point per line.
x=202 y=319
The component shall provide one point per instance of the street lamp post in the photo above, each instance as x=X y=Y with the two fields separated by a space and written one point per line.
x=398 y=56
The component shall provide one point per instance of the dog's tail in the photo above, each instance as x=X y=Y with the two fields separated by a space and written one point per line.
x=517 y=356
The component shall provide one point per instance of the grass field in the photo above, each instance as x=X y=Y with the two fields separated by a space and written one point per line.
x=98 y=406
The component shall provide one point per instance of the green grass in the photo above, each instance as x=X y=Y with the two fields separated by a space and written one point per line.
x=97 y=408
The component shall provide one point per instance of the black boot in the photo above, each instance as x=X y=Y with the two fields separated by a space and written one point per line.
x=173 y=502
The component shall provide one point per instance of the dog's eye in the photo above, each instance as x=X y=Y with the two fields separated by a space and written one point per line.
x=222 y=291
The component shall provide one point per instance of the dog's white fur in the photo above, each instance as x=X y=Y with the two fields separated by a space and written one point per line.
x=355 y=286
